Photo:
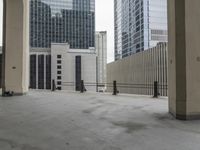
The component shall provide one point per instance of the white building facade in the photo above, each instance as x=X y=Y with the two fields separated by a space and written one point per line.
x=67 y=67
x=70 y=66
x=101 y=50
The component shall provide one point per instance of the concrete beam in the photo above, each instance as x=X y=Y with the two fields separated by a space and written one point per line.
x=184 y=58
x=16 y=46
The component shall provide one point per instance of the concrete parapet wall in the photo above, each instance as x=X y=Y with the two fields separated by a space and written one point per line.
x=136 y=74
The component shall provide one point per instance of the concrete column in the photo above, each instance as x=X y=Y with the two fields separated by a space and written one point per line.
x=16 y=46
x=184 y=58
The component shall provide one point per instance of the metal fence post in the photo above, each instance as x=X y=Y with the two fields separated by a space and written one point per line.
x=155 y=89
x=53 y=85
x=82 y=86
x=114 y=87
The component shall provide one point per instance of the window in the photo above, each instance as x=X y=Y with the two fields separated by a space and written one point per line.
x=78 y=72
x=59 y=56
x=59 y=72
x=59 y=67
x=33 y=71
x=40 y=71
x=59 y=77
x=59 y=83
x=59 y=88
x=48 y=72
x=59 y=61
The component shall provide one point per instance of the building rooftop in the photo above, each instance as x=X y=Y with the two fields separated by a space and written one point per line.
x=90 y=121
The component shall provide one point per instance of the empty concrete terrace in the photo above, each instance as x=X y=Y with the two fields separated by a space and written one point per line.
x=90 y=121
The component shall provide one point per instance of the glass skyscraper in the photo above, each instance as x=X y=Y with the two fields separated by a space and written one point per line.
x=139 y=25
x=62 y=21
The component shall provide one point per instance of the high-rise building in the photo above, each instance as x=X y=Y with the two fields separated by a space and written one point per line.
x=101 y=50
x=66 y=27
x=62 y=21
x=139 y=25
x=0 y=66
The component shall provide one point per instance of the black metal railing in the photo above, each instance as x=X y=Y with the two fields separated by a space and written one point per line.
x=155 y=89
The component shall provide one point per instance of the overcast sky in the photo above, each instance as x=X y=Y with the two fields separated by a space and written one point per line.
x=104 y=22
x=1 y=9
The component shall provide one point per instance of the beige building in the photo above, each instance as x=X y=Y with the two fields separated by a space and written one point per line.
x=59 y=63
x=45 y=66
x=137 y=73
x=70 y=66
x=184 y=58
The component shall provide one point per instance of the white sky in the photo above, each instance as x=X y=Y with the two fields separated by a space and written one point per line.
x=1 y=14
x=104 y=22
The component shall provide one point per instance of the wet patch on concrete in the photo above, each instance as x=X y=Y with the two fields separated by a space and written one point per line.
x=88 y=111
x=92 y=109
x=163 y=117
x=130 y=126
x=139 y=107
x=67 y=143
x=113 y=148
x=168 y=121
x=103 y=118
x=9 y=144
x=28 y=147
x=97 y=102
x=92 y=98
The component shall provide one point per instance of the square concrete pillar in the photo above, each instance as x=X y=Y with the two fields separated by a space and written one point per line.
x=184 y=58
x=16 y=46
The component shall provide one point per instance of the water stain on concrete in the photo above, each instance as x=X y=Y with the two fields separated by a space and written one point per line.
x=139 y=107
x=103 y=118
x=168 y=121
x=97 y=102
x=15 y=146
x=163 y=117
x=92 y=109
x=7 y=143
x=92 y=98
x=67 y=143
x=113 y=148
x=130 y=126
x=28 y=147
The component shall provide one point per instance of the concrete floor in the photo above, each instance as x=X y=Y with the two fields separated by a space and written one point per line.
x=74 y=121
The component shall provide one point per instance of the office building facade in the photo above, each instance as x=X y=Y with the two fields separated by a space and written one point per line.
x=62 y=21
x=70 y=66
x=65 y=24
x=0 y=66
x=67 y=67
x=139 y=25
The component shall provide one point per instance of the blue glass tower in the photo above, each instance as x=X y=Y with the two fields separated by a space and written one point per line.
x=139 y=25
x=61 y=21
